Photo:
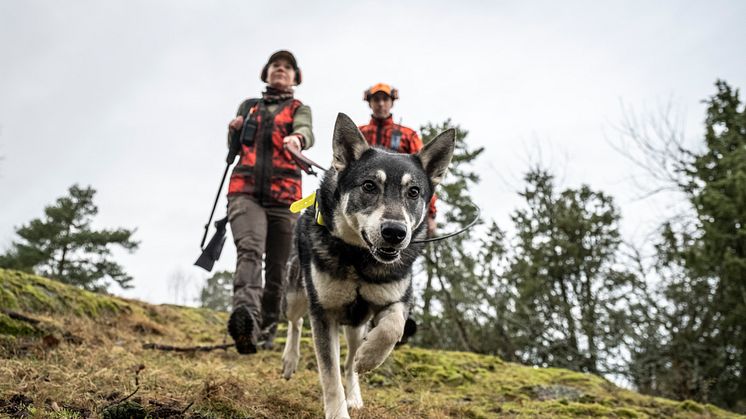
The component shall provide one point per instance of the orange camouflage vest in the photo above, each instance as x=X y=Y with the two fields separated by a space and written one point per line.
x=385 y=133
x=265 y=170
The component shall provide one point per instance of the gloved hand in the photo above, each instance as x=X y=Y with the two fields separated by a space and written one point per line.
x=236 y=124
x=292 y=141
x=234 y=146
x=234 y=138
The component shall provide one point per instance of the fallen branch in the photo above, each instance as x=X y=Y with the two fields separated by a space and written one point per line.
x=18 y=316
x=187 y=408
x=186 y=348
x=131 y=394
x=114 y=403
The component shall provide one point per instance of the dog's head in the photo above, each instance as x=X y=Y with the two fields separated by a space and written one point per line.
x=381 y=198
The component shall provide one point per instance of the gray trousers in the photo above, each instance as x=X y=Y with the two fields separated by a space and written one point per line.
x=260 y=231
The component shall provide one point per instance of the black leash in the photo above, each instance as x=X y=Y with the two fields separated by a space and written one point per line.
x=307 y=166
x=455 y=233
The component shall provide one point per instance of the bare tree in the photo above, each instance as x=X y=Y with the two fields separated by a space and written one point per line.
x=654 y=142
x=179 y=284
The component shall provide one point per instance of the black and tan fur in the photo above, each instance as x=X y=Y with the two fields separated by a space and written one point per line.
x=357 y=266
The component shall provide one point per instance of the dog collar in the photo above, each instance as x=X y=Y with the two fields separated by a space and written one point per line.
x=306 y=202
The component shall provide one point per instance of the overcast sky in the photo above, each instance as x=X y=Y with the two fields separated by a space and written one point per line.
x=133 y=97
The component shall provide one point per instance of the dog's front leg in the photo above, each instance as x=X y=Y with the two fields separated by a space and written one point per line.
x=354 y=337
x=326 y=341
x=381 y=339
x=297 y=305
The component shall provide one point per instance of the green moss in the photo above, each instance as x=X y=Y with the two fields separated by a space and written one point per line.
x=13 y=327
x=377 y=380
x=691 y=406
x=628 y=413
x=124 y=410
x=31 y=293
x=7 y=298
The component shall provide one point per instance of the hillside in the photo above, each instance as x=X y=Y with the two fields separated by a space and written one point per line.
x=67 y=353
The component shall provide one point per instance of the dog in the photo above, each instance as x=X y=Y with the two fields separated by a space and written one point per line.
x=355 y=253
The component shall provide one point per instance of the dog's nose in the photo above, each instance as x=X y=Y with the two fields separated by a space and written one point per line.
x=393 y=232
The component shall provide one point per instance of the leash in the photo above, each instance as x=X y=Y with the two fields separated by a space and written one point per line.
x=307 y=166
x=455 y=233
x=304 y=162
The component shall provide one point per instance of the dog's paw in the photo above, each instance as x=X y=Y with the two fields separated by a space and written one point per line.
x=337 y=411
x=365 y=365
x=289 y=365
x=369 y=358
x=355 y=401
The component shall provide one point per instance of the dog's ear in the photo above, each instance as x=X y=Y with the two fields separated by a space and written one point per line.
x=348 y=143
x=436 y=155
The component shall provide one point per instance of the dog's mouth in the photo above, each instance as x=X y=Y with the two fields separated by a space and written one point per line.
x=382 y=254
x=386 y=254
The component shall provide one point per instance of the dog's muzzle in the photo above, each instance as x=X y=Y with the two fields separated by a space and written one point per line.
x=393 y=234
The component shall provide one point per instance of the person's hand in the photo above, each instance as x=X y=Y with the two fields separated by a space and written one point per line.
x=236 y=124
x=431 y=226
x=292 y=142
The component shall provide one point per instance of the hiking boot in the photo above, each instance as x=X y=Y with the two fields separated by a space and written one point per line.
x=267 y=337
x=242 y=328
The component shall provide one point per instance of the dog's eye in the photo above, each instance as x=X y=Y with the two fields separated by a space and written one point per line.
x=413 y=192
x=369 y=186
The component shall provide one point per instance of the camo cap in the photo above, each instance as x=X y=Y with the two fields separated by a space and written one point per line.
x=286 y=55
x=381 y=87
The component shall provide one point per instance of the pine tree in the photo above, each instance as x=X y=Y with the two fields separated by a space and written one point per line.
x=701 y=348
x=568 y=294
x=62 y=245
x=217 y=292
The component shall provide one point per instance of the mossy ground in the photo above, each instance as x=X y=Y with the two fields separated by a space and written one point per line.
x=86 y=354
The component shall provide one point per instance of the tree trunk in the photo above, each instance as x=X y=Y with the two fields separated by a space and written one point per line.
x=567 y=311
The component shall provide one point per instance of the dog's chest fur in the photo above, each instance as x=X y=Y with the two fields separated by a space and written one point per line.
x=352 y=299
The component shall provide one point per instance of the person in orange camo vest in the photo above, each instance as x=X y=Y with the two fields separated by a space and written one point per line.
x=381 y=131
x=262 y=186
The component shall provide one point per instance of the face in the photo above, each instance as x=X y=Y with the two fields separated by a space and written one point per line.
x=382 y=196
x=381 y=104
x=383 y=202
x=281 y=74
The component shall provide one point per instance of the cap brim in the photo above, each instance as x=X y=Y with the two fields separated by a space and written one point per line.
x=283 y=55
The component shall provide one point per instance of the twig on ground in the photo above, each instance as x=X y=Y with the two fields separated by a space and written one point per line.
x=187 y=408
x=130 y=395
x=137 y=369
x=18 y=316
x=122 y=400
x=186 y=348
